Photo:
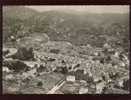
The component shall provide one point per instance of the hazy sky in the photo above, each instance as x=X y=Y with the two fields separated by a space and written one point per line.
x=89 y=8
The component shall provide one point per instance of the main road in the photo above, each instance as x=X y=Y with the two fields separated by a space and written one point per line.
x=57 y=86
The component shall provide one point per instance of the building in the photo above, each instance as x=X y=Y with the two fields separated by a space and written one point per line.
x=70 y=78
x=83 y=90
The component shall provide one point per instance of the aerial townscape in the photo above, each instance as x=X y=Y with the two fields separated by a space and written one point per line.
x=57 y=52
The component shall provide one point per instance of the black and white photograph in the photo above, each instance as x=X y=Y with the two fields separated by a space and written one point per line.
x=65 y=49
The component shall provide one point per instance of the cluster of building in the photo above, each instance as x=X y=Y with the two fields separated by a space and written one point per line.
x=100 y=68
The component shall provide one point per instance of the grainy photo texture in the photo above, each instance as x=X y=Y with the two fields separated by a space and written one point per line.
x=65 y=49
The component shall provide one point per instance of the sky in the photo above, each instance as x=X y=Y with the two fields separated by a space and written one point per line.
x=82 y=8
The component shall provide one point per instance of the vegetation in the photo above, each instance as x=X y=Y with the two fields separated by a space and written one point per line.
x=79 y=29
x=41 y=48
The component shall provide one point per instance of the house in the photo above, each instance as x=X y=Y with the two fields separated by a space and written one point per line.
x=116 y=54
x=83 y=90
x=70 y=78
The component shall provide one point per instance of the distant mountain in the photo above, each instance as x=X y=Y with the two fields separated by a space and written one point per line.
x=77 y=28
x=19 y=12
x=16 y=20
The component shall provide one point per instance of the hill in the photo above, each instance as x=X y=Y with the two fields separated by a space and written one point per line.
x=77 y=28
